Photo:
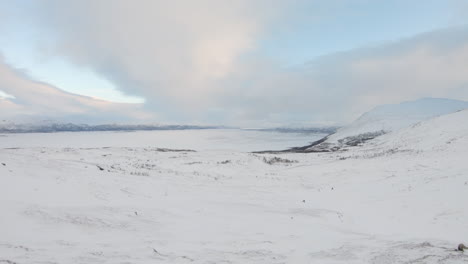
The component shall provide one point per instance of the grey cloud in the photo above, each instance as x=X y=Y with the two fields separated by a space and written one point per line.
x=156 y=48
x=342 y=86
x=196 y=61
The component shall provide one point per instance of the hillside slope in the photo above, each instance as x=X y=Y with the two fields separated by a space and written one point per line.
x=447 y=132
x=384 y=119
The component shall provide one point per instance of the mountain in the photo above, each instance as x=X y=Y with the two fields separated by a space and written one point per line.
x=382 y=120
x=443 y=133
x=49 y=127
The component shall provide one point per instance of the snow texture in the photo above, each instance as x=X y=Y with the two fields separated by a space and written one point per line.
x=76 y=198
x=387 y=118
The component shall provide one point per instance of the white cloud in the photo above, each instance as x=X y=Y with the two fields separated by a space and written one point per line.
x=197 y=61
x=29 y=100
x=342 y=86
x=176 y=50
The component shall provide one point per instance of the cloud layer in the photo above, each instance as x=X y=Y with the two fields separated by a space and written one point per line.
x=162 y=50
x=341 y=86
x=30 y=101
x=199 y=62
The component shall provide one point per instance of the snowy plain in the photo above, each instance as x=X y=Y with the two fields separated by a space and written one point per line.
x=145 y=197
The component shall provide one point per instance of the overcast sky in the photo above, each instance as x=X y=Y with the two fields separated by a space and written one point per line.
x=227 y=62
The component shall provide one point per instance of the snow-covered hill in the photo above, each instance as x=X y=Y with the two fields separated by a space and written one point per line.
x=384 y=119
x=446 y=132
x=441 y=135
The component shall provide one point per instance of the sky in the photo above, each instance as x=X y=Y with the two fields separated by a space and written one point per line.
x=254 y=63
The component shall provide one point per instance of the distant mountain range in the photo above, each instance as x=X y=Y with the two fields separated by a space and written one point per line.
x=50 y=127
x=380 y=120
x=70 y=127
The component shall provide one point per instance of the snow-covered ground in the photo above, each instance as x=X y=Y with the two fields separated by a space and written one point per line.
x=387 y=118
x=133 y=198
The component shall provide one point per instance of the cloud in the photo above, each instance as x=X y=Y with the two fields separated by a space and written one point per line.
x=200 y=61
x=175 y=50
x=433 y=64
x=339 y=87
x=29 y=100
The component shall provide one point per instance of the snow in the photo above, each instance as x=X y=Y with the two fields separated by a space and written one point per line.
x=400 y=198
x=443 y=132
x=386 y=118
x=201 y=140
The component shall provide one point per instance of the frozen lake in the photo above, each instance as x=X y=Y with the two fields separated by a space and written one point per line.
x=200 y=140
